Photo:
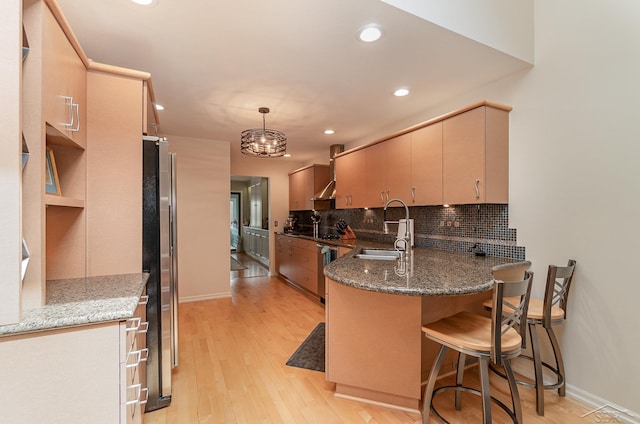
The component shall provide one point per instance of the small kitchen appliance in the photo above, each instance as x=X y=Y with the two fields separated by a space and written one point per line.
x=290 y=224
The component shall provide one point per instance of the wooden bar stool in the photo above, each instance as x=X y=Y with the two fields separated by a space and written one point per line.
x=492 y=339
x=544 y=313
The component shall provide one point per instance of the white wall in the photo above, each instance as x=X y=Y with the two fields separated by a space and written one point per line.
x=203 y=217
x=505 y=25
x=574 y=176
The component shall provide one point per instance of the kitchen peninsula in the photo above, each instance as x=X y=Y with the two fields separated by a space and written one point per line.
x=375 y=309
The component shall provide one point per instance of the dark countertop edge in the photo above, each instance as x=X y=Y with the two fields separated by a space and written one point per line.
x=38 y=320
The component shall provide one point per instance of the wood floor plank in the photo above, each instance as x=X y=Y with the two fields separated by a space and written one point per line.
x=232 y=367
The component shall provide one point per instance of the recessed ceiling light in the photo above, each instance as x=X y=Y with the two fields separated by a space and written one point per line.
x=159 y=107
x=400 y=92
x=145 y=2
x=329 y=132
x=370 y=33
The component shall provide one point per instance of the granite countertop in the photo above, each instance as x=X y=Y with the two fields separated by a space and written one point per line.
x=427 y=272
x=82 y=301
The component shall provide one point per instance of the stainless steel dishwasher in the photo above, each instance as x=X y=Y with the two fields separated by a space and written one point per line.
x=327 y=253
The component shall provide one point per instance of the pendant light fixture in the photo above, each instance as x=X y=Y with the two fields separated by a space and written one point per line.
x=263 y=142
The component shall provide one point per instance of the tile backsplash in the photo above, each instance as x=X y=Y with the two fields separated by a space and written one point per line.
x=455 y=228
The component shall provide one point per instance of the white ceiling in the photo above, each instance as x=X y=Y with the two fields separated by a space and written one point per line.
x=213 y=63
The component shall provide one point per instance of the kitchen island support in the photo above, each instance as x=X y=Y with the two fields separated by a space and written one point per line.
x=375 y=350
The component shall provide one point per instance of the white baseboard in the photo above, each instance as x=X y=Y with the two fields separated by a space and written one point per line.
x=601 y=410
x=188 y=299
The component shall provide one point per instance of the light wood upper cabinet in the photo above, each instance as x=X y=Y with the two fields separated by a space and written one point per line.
x=375 y=176
x=350 y=180
x=64 y=82
x=388 y=171
x=304 y=183
x=296 y=188
x=398 y=169
x=426 y=165
x=476 y=157
x=458 y=158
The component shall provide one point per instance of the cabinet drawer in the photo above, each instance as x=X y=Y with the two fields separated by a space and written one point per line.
x=307 y=260
x=307 y=279
x=303 y=243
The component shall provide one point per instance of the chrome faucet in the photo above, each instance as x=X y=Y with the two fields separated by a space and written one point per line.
x=403 y=242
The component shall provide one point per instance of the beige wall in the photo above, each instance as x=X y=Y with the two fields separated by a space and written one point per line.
x=203 y=188
x=574 y=181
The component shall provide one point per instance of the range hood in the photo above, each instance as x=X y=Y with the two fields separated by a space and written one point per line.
x=329 y=191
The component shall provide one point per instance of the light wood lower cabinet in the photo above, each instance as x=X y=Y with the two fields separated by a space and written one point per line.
x=299 y=262
x=93 y=374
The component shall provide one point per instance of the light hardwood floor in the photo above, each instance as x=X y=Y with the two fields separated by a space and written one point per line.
x=232 y=368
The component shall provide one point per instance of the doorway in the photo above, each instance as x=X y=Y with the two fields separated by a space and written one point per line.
x=235 y=205
x=253 y=228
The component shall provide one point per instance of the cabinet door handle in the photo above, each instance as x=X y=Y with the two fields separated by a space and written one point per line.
x=143 y=328
x=413 y=194
x=135 y=324
x=388 y=195
x=75 y=106
x=139 y=390
x=477 y=189
x=146 y=396
x=382 y=196
x=71 y=122
x=141 y=355
x=144 y=300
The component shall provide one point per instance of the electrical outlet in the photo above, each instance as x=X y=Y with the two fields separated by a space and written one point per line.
x=448 y=223
x=456 y=224
x=442 y=223
x=275 y=223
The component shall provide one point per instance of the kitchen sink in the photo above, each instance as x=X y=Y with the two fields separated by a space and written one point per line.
x=378 y=254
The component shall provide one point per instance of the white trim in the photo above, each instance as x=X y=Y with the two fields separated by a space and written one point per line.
x=597 y=403
x=188 y=299
x=373 y=402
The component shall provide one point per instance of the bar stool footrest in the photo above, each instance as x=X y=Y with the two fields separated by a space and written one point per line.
x=551 y=368
x=468 y=390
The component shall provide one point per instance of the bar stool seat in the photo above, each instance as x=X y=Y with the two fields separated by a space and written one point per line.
x=494 y=340
x=536 y=311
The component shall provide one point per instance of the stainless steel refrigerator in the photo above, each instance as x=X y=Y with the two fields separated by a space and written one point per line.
x=159 y=259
